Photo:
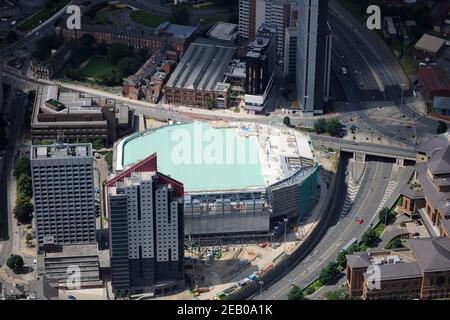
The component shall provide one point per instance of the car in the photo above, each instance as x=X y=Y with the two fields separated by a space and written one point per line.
x=71 y=297
x=408 y=126
x=360 y=221
x=371 y=225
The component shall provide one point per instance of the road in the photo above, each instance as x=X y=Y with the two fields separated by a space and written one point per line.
x=373 y=66
x=373 y=187
x=15 y=116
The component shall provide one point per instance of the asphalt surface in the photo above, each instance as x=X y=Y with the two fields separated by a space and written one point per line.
x=373 y=187
x=15 y=116
x=372 y=66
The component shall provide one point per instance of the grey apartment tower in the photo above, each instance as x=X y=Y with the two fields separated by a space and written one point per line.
x=63 y=191
x=313 y=56
x=146 y=231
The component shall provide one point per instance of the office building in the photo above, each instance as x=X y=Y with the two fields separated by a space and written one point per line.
x=260 y=68
x=146 y=230
x=428 y=193
x=72 y=116
x=421 y=272
x=63 y=189
x=254 y=13
x=313 y=56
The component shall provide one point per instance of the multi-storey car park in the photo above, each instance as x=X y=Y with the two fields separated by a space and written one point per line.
x=239 y=179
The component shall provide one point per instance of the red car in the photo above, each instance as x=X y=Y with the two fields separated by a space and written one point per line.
x=360 y=221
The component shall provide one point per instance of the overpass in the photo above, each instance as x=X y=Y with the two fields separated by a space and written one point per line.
x=360 y=150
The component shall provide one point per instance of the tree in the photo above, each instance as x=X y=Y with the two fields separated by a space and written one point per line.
x=339 y=294
x=15 y=262
x=118 y=51
x=394 y=244
x=25 y=186
x=442 y=127
x=127 y=66
x=180 y=14
x=333 y=127
x=45 y=45
x=287 y=121
x=386 y=216
x=370 y=238
x=24 y=208
x=328 y=273
x=296 y=294
x=98 y=144
x=208 y=102
x=22 y=167
x=320 y=126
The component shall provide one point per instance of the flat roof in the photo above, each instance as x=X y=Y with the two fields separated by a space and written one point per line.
x=61 y=151
x=197 y=171
x=73 y=250
x=201 y=67
x=220 y=156
x=224 y=31
x=177 y=30
x=429 y=43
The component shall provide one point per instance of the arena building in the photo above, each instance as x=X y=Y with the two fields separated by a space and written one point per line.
x=239 y=179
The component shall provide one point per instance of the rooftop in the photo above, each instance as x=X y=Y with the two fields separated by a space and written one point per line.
x=219 y=156
x=429 y=43
x=432 y=254
x=176 y=30
x=201 y=67
x=72 y=250
x=224 y=31
x=61 y=151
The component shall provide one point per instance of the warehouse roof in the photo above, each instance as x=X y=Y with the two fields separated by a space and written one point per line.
x=201 y=67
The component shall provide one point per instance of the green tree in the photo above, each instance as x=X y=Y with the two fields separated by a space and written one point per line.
x=25 y=186
x=287 y=121
x=98 y=144
x=15 y=262
x=180 y=14
x=118 y=51
x=339 y=294
x=208 y=102
x=328 y=273
x=370 y=238
x=296 y=294
x=394 y=244
x=320 y=126
x=127 y=66
x=333 y=127
x=45 y=45
x=23 y=209
x=386 y=216
x=22 y=167
x=442 y=127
